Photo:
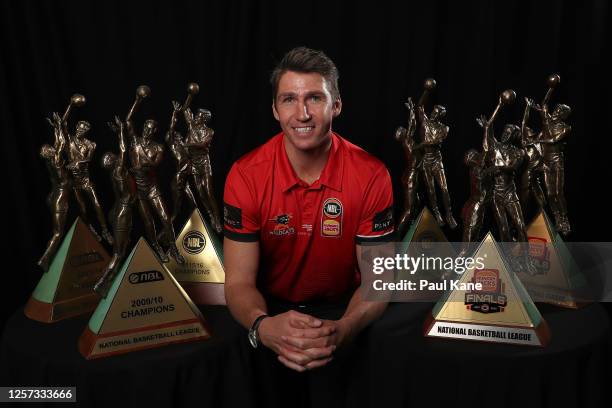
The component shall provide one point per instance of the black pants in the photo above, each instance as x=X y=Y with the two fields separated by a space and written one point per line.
x=279 y=386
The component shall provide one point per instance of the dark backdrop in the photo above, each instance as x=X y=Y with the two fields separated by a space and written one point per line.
x=105 y=49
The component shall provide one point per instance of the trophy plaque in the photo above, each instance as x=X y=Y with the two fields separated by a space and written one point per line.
x=488 y=304
x=202 y=275
x=145 y=308
x=66 y=289
x=557 y=280
x=425 y=237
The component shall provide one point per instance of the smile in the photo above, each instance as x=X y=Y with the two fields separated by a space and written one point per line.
x=304 y=129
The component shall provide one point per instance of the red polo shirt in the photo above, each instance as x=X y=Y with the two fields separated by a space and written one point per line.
x=307 y=233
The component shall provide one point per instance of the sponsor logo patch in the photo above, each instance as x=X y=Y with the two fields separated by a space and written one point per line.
x=331 y=218
x=382 y=220
x=232 y=216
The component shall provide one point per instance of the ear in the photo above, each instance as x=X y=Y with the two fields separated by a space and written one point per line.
x=337 y=107
x=274 y=111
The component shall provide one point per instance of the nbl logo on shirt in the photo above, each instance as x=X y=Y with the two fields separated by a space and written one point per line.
x=331 y=218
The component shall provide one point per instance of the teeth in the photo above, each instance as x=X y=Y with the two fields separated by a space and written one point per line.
x=304 y=129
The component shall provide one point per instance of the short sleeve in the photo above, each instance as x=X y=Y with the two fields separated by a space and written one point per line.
x=240 y=209
x=376 y=220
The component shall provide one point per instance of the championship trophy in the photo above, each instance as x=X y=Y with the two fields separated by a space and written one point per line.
x=145 y=155
x=495 y=171
x=66 y=288
x=424 y=235
x=202 y=274
x=550 y=143
x=145 y=307
x=71 y=266
x=488 y=303
x=557 y=279
x=425 y=156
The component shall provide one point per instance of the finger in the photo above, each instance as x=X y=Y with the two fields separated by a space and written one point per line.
x=305 y=343
x=291 y=364
x=318 y=363
x=295 y=317
x=294 y=356
x=312 y=333
x=320 y=353
x=298 y=324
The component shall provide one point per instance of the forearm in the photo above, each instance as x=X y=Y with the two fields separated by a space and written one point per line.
x=245 y=302
x=359 y=314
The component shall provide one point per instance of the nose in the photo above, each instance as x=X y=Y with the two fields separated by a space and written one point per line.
x=303 y=114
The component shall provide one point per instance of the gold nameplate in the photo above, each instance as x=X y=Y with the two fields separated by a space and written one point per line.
x=66 y=289
x=489 y=304
x=145 y=307
x=557 y=280
x=202 y=275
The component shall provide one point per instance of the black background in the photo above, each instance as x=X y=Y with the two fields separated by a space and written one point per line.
x=384 y=51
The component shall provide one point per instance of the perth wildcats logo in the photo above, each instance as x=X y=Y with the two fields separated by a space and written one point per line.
x=331 y=218
x=280 y=225
x=194 y=242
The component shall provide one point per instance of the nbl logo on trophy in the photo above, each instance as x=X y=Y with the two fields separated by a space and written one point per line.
x=145 y=277
x=489 y=299
x=194 y=242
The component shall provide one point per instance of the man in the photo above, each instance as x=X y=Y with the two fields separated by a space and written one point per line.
x=474 y=209
x=297 y=210
x=197 y=144
x=433 y=132
x=533 y=153
x=552 y=138
x=80 y=151
x=121 y=214
x=145 y=155
x=502 y=159
x=57 y=200
x=180 y=183
x=410 y=178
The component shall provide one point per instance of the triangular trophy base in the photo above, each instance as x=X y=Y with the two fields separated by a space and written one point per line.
x=556 y=297
x=54 y=312
x=523 y=336
x=558 y=281
x=93 y=346
x=205 y=293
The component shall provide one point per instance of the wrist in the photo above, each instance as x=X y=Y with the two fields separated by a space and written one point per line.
x=346 y=329
x=254 y=337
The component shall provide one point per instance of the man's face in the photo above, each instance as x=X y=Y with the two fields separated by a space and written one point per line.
x=82 y=128
x=509 y=133
x=304 y=107
x=561 y=112
x=202 y=117
x=149 y=129
x=438 y=112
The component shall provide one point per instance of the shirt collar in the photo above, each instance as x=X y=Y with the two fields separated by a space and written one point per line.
x=331 y=176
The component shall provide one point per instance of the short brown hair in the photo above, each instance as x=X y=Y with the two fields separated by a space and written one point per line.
x=306 y=60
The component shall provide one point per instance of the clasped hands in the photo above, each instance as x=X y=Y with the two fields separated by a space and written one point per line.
x=302 y=342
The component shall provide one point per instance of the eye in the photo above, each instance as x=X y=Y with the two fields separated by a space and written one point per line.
x=287 y=99
x=316 y=98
